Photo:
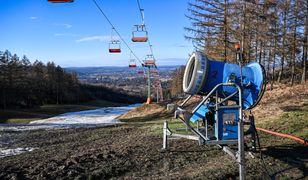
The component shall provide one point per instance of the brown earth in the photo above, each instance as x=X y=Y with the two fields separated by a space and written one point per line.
x=133 y=150
x=145 y=113
x=281 y=98
x=123 y=152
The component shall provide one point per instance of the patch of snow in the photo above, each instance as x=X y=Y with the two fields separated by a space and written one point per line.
x=89 y=118
x=16 y=151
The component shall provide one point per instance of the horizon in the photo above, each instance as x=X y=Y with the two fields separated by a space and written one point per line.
x=163 y=66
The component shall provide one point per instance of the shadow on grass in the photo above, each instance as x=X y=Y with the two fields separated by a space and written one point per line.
x=148 y=118
x=294 y=108
x=20 y=116
x=295 y=155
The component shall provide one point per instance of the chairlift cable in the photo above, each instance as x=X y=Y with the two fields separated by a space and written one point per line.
x=142 y=18
x=115 y=30
x=148 y=40
x=141 y=11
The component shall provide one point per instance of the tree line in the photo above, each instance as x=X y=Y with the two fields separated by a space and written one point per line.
x=272 y=32
x=27 y=84
x=176 y=87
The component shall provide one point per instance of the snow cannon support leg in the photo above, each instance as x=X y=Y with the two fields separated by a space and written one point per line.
x=165 y=134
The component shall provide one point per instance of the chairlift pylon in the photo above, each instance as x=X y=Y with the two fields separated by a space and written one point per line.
x=139 y=34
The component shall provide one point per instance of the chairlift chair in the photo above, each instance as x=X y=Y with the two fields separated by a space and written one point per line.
x=114 y=46
x=149 y=60
x=140 y=72
x=139 y=34
x=132 y=63
x=60 y=1
x=154 y=71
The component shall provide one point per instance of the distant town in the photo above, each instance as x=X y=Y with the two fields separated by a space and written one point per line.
x=121 y=78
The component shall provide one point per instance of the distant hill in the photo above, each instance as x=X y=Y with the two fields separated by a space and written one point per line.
x=112 y=69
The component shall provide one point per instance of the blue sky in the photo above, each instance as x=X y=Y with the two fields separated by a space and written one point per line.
x=76 y=34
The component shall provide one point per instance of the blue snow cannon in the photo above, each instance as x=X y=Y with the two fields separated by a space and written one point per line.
x=202 y=75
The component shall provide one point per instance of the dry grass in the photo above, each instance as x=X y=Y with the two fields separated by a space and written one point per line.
x=146 y=112
x=282 y=98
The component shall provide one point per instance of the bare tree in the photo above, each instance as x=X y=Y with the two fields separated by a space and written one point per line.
x=272 y=32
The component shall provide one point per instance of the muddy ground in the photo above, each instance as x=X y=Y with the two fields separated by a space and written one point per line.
x=133 y=152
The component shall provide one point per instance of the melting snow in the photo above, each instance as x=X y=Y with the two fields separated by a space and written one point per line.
x=89 y=118
x=12 y=152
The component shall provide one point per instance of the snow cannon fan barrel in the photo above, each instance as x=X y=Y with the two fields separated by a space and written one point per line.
x=202 y=75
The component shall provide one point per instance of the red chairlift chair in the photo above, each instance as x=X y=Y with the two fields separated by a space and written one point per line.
x=60 y=1
x=154 y=71
x=149 y=60
x=114 y=46
x=132 y=63
x=140 y=34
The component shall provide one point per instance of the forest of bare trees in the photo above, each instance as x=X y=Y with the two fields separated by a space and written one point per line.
x=26 y=84
x=272 y=32
x=176 y=83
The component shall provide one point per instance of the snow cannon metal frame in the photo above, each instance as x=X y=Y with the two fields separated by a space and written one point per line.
x=226 y=90
x=202 y=75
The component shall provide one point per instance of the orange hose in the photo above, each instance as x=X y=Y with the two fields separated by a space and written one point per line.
x=302 y=141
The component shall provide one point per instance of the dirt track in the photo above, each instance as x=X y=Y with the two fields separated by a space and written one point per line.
x=126 y=151
x=116 y=152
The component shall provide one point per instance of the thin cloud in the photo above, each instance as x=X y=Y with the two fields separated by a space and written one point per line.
x=173 y=61
x=65 y=34
x=95 y=38
x=33 y=17
x=181 y=45
x=65 y=25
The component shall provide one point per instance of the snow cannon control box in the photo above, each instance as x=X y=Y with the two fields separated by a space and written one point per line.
x=226 y=126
